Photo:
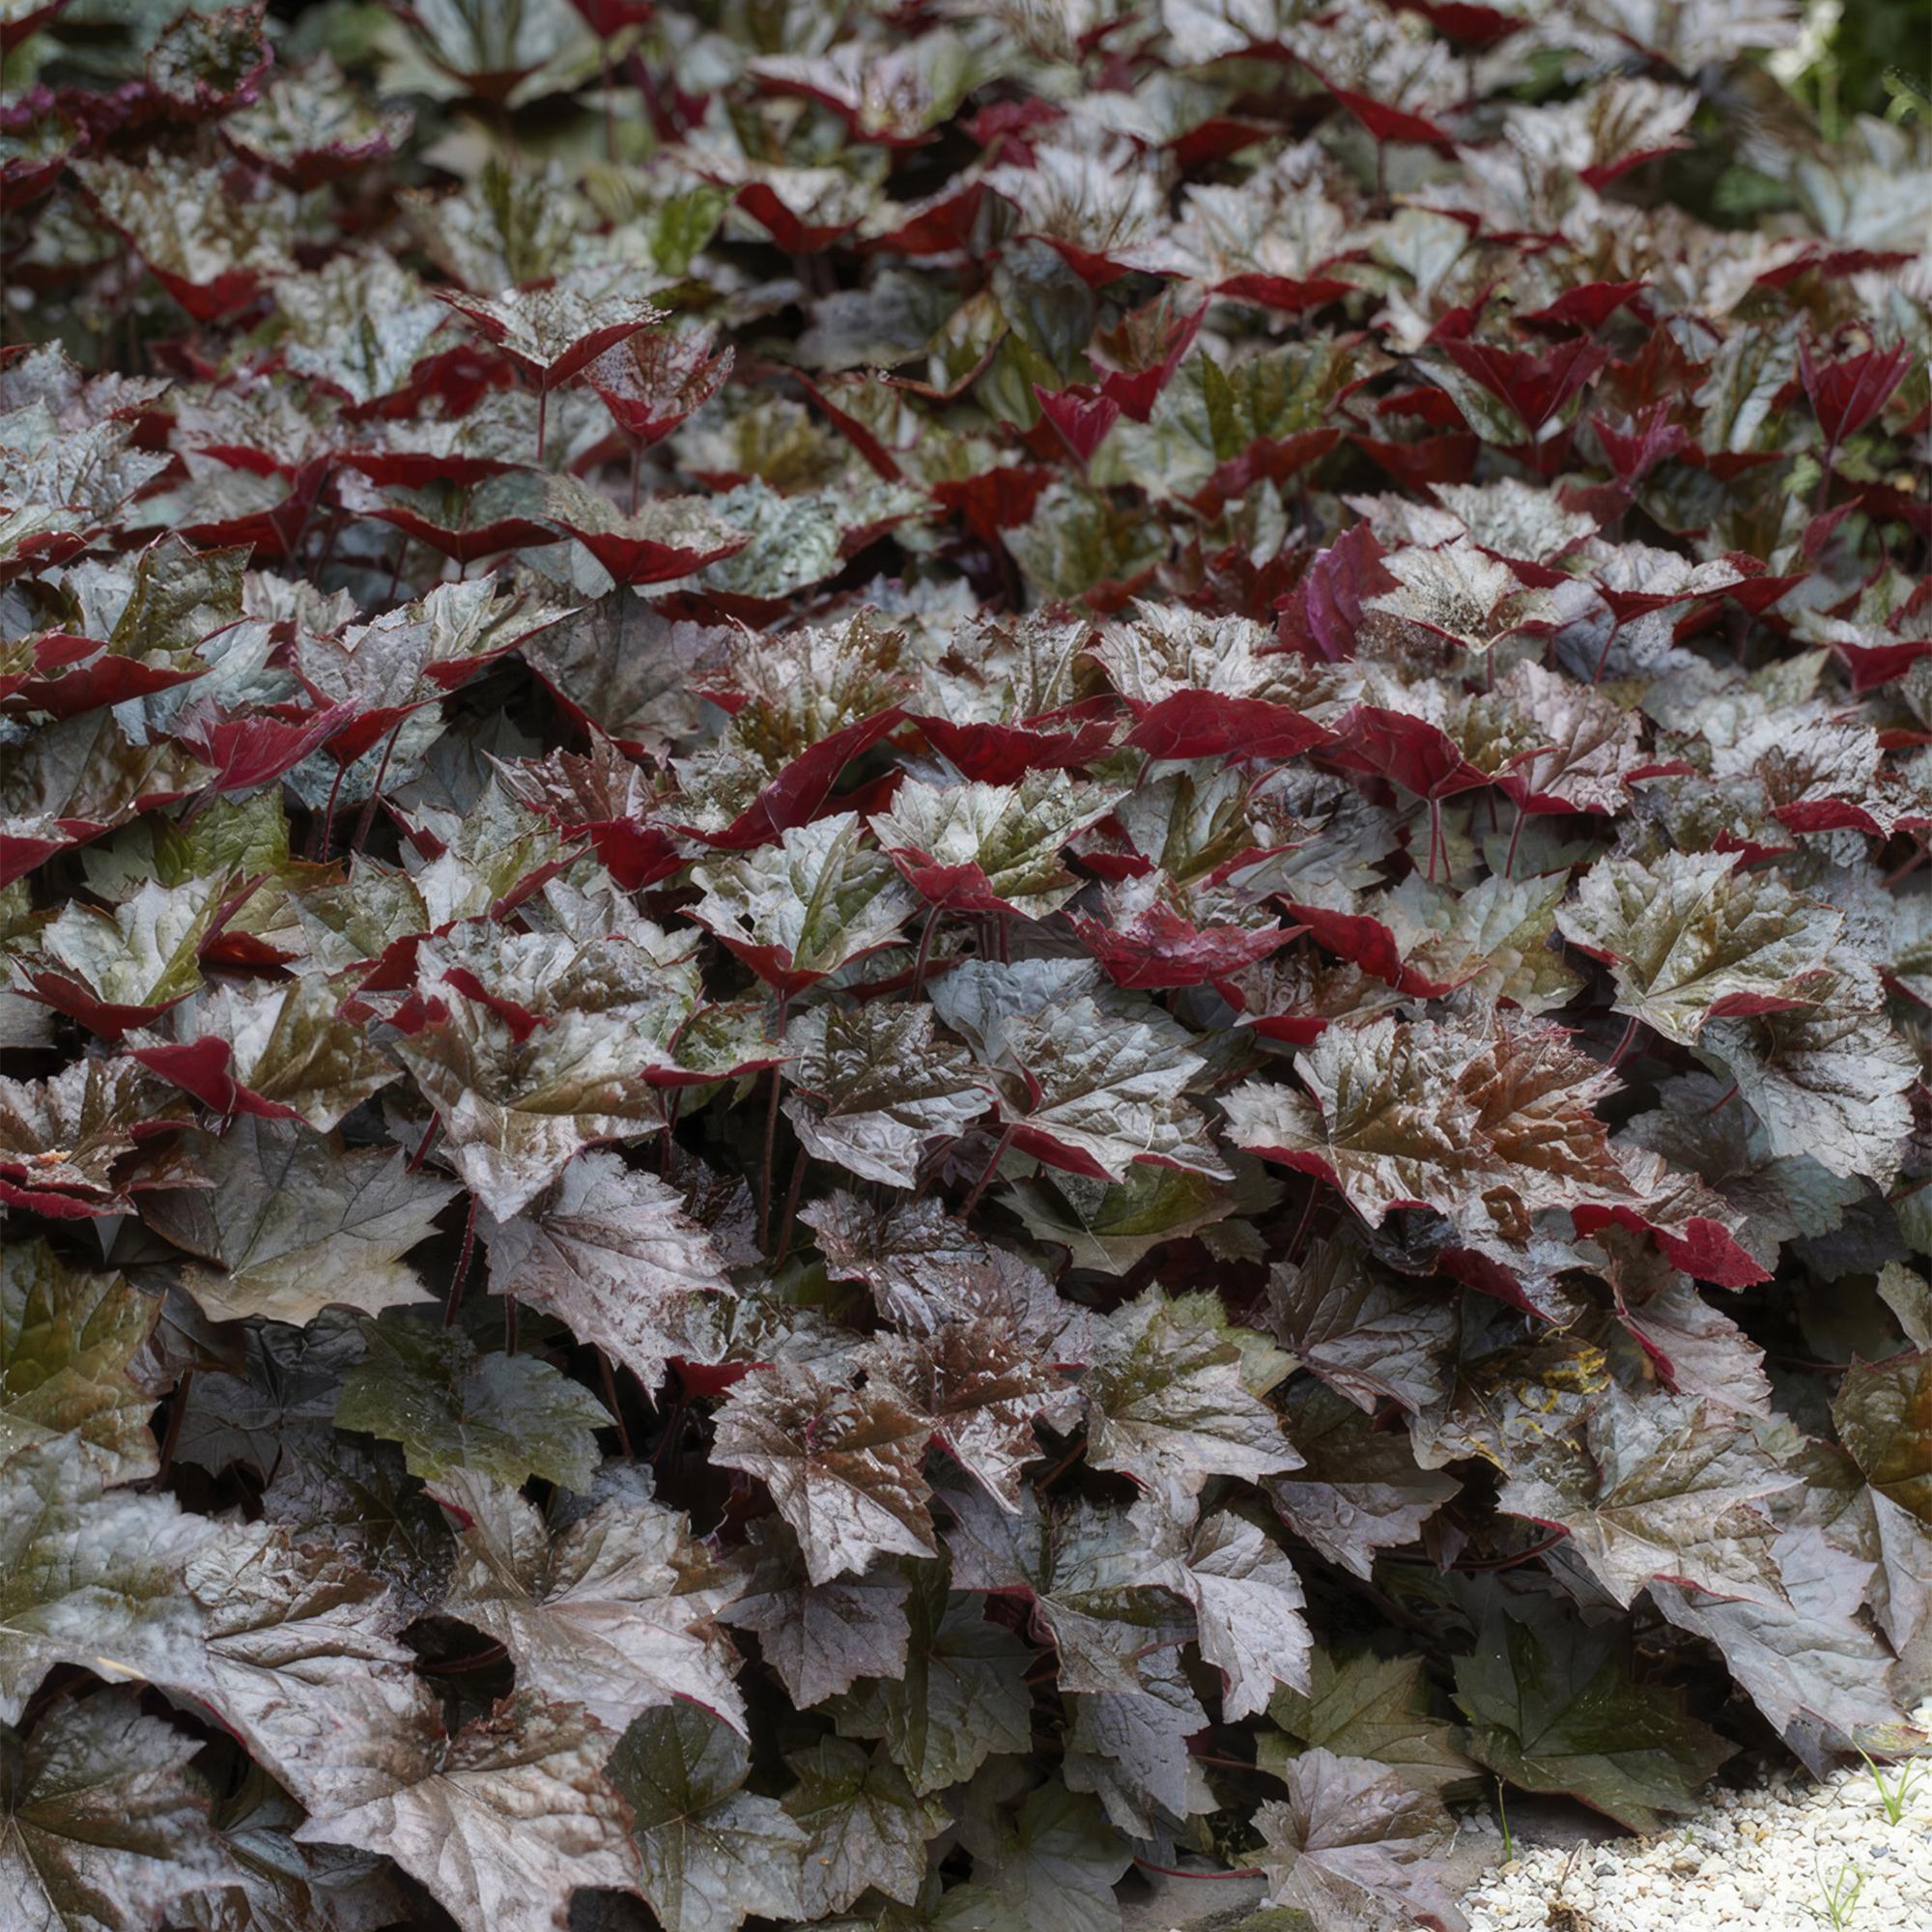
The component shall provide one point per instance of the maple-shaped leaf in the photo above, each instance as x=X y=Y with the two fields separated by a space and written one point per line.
x=652 y=380
x=1364 y=1331
x=874 y=1086
x=1111 y=1227
x=842 y=1465
x=1691 y=938
x=613 y=1254
x=712 y=1852
x=982 y=1387
x=1083 y=1086
x=1201 y=686
x=798 y=909
x=1369 y=1707
x=1593 y=746
x=89 y=1572
x=209 y=247
x=991 y=847
x=1484 y=1128
x=1884 y=1418
x=278 y=1885
x=957 y=1695
x=553 y=333
x=289 y=1222
x=415 y=653
x=1694 y=1350
x=1104 y=1585
x=1351 y=1845
x=502 y=1821
x=452 y=1408
x=105 y=1827
x=1463 y=595
x=927 y=1268
x=865 y=1828
x=1357 y=1489
x=277 y=1052
x=1248 y=1599
x=819 y=1637
x=62 y=1137
x=1553 y=1706
x=611 y=1608
x=1168 y=1403
x=518 y=1099
x=1827 y=1076
x=1053 y=1862
x=665 y=537
x=68 y=1344
x=1665 y=1486
x=120 y=969
x=1130 y=1748
x=310 y=126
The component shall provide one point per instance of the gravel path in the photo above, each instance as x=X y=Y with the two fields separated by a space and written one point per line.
x=1773 y=1860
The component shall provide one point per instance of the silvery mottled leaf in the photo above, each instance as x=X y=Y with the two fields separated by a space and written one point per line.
x=1249 y=1601
x=820 y=1637
x=106 y=1827
x=981 y=1389
x=1357 y=1491
x=1828 y=1077
x=712 y=1852
x=275 y=1052
x=610 y=1609
x=1805 y=1658
x=68 y=1340
x=293 y=1223
x=1351 y=1846
x=1167 y=1401
x=503 y=1822
x=278 y=1885
x=842 y=1465
x=552 y=332
x=957 y=1697
x=980 y=846
x=1362 y=1329
x=1663 y=1486
x=798 y=909
x=1104 y=1583
x=874 y=1086
x=1130 y=1748
x=1693 y=938
x=611 y=1253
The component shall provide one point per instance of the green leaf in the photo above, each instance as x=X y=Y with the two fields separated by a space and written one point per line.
x=1054 y=1861
x=1369 y=1707
x=453 y=1408
x=864 y=1827
x=960 y=1696
x=68 y=1341
x=1552 y=1706
x=712 y=1851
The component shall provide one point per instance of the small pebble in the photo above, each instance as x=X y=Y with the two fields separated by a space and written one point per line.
x=1765 y=1859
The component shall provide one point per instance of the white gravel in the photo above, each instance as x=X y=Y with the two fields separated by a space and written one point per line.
x=1772 y=1860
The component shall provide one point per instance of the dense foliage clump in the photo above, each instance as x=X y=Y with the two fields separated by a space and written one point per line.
x=947 y=944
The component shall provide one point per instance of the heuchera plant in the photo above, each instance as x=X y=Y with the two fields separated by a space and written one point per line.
x=945 y=947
